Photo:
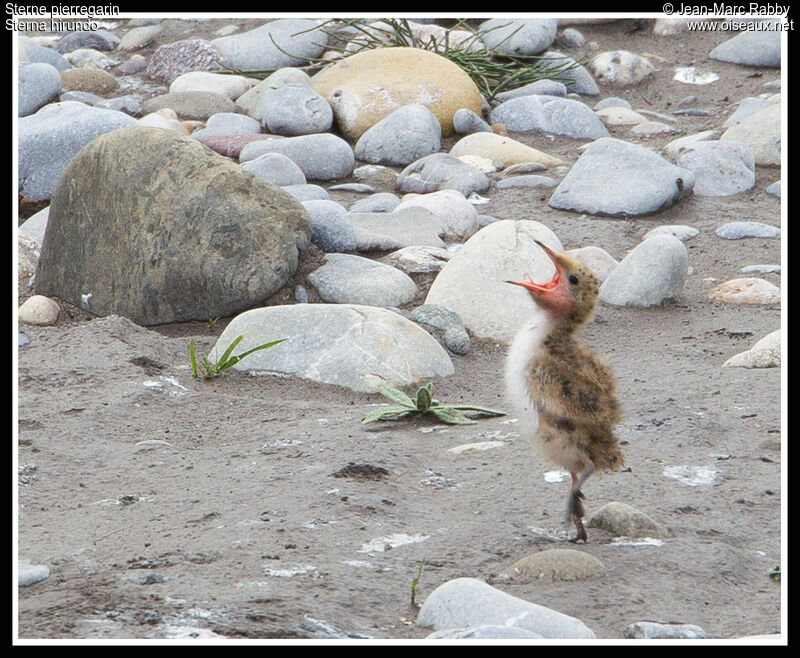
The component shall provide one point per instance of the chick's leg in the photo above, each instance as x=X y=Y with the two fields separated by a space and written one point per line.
x=574 y=504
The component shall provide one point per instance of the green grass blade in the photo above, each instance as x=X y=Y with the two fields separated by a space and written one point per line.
x=230 y=349
x=193 y=359
x=385 y=413
x=482 y=410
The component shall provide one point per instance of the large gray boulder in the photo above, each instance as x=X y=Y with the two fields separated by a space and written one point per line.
x=153 y=226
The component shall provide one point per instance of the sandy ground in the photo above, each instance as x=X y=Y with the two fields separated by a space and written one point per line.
x=180 y=510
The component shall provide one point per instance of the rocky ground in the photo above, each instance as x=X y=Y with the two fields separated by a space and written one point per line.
x=260 y=507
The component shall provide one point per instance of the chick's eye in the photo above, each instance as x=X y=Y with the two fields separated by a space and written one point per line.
x=573 y=279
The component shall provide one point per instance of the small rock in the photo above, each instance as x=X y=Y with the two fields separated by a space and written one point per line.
x=198 y=105
x=418 y=259
x=172 y=59
x=292 y=110
x=766 y=353
x=748 y=269
x=466 y=122
x=506 y=150
x=458 y=216
x=139 y=37
x=620 y=68
x=331 y=228
x=615 y=115
x=231 y=86
x=549 y=115
x=97 y=39
x=358 y=188
x=740 y=230
x=400 y=138
x=277 y=168
x=562 y=564
x=485 y=632
x=277 y=44
x=442 y=171
x=251 y=100
x=380 y=202
x=307 y=192
x=651 y=630
x=575 y=76
x=321 y=156
x=652 y=128
x=572 y=38
x=456 y=338
x=228 y=123
x=94 y=81
x=39 y=310
x=622 y=520
x=747 y=106
x=680 y=231
x=748 y=290
x=28 y=573
x=774 y=189
x=666 y=262
x=612 y=101
x=349 y=279
x=519 y=36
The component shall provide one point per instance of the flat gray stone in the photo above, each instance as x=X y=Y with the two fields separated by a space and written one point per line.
x=455 y=337
x=38 y=84
x=28 y=573
x=774 y=189
x=277 y=44
x=550 y=115
x=616 y=178
x=358 y=347
x=307 y=192
x=228 y=123
x=740 y=230
x=321 y=156
x=747 y=106
x=51 y=137
x=652 y=273
x=379 y=202
x=468 y=602
x=400 y=138
x=349 y=279
x=529 y=180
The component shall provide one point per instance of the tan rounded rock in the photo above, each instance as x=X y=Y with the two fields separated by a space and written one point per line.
x=368 y=86
x=502 y=149
x=39 y=310
x=761 y=131
x=563 y=564
x=746 y=290
x=95 y=81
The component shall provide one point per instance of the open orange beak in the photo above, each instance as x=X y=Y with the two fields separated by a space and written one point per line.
x=543 y=288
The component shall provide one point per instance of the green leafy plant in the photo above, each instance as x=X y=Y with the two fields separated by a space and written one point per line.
x=491 y=70
x=775 y=573
x=213 y=368
x=424 y=403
